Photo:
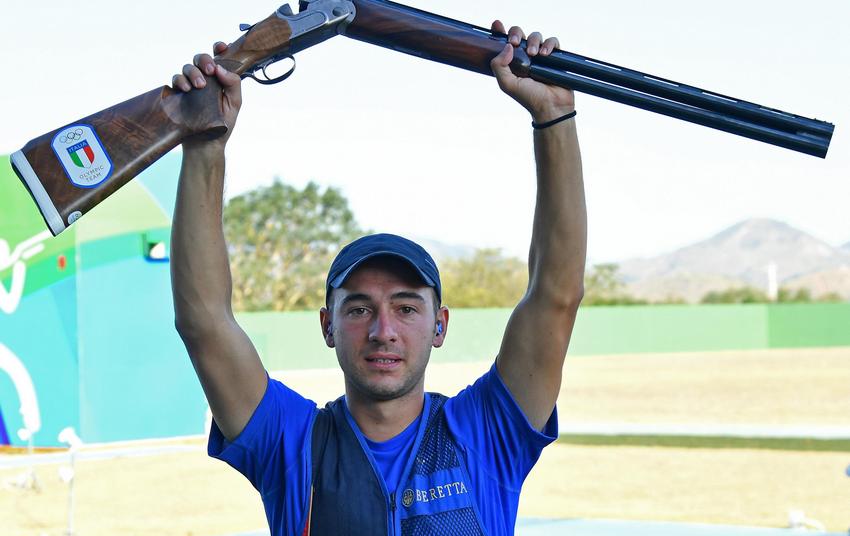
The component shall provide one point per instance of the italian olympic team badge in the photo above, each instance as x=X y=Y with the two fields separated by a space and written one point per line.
x=82 y=155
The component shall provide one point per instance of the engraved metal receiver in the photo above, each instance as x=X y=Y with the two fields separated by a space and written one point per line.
x=317 y=21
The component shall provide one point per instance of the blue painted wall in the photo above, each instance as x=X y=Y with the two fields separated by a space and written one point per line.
x=44 y=339
x=97 y=337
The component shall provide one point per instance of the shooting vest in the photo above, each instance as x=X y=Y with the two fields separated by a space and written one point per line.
x=348 y=498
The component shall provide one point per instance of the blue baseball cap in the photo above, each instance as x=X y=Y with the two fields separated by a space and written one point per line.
x=362 y=249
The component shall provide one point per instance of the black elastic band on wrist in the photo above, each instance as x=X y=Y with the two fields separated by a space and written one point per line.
x=547 y=124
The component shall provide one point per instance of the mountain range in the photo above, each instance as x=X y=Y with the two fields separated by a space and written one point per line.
x=742 y=255
x=738 y=256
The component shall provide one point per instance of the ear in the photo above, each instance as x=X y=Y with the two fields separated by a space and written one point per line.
x=327 y=326
x=441 y=327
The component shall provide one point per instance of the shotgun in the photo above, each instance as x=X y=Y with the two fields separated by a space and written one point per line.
x=70 y=170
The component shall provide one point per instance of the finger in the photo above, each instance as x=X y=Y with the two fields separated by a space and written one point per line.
x=205 y=63
x=549 y=45
x=515 y=35
x=194 y=75
x=219 y=47
x=497 y=27
x=500 y=66
x=226 y=78
x=178 y=81
x=532 y=46
x=230 y=83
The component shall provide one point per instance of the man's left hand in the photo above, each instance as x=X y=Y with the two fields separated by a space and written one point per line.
x=544 y=102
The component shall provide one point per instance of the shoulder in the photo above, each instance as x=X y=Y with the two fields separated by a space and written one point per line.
x=281 y=413
x=487 y=411
x=487 y=385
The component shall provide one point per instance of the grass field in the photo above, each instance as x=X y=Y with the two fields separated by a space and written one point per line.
x=700 y=480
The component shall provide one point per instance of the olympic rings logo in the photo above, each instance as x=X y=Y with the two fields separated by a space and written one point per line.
x=71 y=136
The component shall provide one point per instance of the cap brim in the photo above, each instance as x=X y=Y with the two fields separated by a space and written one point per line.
x=339 y=280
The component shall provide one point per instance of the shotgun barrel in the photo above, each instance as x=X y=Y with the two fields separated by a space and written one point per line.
x=412 y=31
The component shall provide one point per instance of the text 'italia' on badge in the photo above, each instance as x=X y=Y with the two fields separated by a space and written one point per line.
x=82 y=155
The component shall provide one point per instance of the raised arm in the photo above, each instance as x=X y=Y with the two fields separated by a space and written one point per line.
x=230 y=371
x=535 y=342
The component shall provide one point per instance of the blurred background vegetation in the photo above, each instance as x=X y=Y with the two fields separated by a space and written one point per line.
x=282 y=240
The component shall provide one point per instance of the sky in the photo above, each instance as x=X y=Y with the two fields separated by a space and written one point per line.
x=433 y=152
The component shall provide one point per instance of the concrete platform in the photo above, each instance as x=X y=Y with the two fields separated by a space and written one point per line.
x=610 y=527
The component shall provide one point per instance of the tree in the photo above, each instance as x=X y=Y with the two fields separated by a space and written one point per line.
x=830 y=297
x=801 y=295
x=804 y=295
x=281 y=241
x=486 y=279
x=735 y=295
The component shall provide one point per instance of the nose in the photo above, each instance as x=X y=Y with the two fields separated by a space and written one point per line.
x=383 y=328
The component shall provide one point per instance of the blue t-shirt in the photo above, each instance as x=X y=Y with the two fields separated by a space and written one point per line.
x=391 y=455
x=499 y=448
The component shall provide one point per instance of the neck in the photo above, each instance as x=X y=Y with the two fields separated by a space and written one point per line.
x=381 y=420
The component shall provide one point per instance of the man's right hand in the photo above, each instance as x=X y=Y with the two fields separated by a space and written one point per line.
x=192 y=77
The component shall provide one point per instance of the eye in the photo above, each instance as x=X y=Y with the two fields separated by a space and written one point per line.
x=357 y=311
x=407 y=309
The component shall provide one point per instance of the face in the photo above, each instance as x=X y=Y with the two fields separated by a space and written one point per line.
x=383 y=325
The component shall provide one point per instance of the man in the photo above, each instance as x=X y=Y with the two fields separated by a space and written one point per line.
x=387 y=458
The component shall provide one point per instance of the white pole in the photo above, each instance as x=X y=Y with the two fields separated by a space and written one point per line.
x=68 y=436
x=28 y=480
x=70 y=531
x=772 y=282
x=33 y=479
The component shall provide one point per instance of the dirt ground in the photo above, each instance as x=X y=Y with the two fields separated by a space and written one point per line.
x=186 y=493
x=760 y=387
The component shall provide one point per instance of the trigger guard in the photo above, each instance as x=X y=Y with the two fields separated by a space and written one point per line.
x=270 y=81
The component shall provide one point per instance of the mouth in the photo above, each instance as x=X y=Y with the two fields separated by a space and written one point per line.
x=383 y=362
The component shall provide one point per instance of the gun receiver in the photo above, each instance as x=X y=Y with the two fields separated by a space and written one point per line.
x=71 y=169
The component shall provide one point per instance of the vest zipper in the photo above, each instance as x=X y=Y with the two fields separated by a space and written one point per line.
x=392 y=513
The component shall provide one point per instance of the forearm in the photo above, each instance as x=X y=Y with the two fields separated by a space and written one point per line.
x=200 y=270
x=559 y=234
x=538 y=333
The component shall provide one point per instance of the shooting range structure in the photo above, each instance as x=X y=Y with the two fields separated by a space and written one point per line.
x=87 y=319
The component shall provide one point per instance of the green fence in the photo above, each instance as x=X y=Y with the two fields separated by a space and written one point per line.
x=796 y=326
x=294 y=340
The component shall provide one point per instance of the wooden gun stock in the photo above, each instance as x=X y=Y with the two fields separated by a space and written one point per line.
x=73 y=168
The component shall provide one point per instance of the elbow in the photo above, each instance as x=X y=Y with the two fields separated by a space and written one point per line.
x=196 y=318
x=187 y=330
x=559 y=297
x=570 y=298
x=574 y=296
x=193 y=329
x=183 y=327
